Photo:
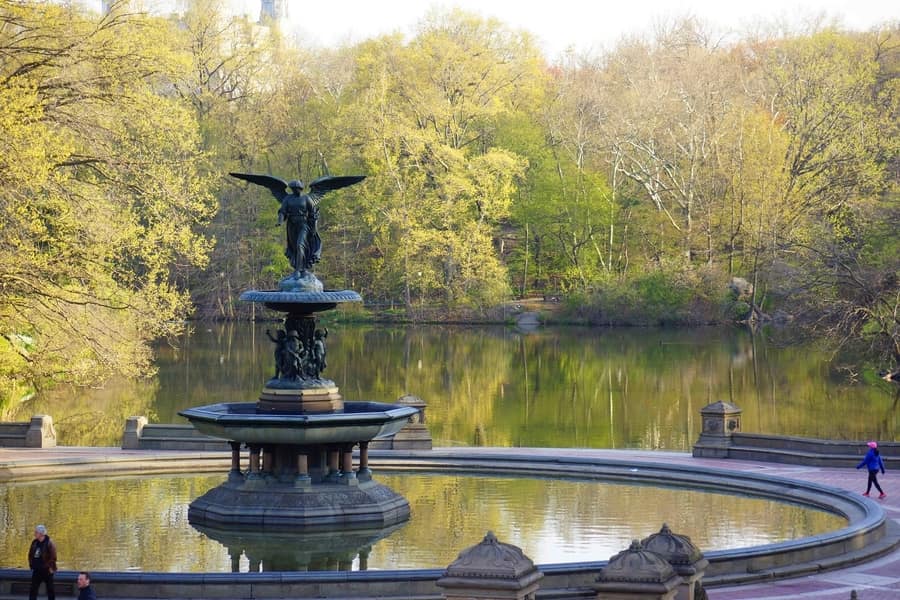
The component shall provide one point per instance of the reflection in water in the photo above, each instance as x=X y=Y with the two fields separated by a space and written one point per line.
x=286 y=551
x=494 y=386
x=146 y=526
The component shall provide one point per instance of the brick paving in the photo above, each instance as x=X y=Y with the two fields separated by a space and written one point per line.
x=875 y=580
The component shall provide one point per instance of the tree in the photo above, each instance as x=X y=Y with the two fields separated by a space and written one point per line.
x=102 y=191
x=429 y=113
x=672 y=100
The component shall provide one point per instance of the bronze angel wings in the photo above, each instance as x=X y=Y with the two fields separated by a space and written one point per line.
x=316 y=189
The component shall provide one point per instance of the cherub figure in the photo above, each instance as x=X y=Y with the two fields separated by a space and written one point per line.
x=280 y=339
x=295 y=354
x=317 y=362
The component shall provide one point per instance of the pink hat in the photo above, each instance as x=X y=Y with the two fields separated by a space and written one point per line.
x=872 y=444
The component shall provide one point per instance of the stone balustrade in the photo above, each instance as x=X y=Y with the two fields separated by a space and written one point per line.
x=721 y=437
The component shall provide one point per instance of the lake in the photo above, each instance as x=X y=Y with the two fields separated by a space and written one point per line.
x=498 y=386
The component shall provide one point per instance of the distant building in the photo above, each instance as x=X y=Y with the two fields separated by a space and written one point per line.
x=273 y=10
x=269 y=10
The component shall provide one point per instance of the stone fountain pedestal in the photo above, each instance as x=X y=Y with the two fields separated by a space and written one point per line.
x=300 y=437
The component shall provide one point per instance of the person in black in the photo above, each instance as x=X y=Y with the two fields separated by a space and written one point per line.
x=85 y=591
x=42 y=560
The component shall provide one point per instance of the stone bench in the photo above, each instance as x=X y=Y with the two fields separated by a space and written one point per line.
x=36 y=433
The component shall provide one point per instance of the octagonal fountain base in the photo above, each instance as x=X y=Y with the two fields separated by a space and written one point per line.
x=318 y=507
x=300 y=473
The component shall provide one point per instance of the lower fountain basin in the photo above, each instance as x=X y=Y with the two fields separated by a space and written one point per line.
x=242 y=422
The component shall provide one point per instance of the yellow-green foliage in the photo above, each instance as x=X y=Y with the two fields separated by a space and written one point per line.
x=102 y=192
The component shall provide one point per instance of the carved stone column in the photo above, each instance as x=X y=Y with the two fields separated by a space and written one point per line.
x=254 y=477
x=303 y=479
x=268 y=461
x=364 y=473
x=348 y=477
x=235 y=474
x=333 y=466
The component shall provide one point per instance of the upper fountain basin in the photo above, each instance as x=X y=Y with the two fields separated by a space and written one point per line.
x=241 y=422
x=298 y=301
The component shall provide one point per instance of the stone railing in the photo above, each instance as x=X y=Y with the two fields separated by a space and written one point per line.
x=721 y=437
x=36 y=433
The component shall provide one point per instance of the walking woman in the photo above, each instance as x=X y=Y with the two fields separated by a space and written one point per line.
x=874 y=463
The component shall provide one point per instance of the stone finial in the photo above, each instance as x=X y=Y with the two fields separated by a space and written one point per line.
x=677 y=550
x=637 y=565
x=491 y=569
x=686 y=559
x=720 y=409
x=414 y=435
x=491 y=558
x=40 y=433
x=637 y=573
x=415 y=402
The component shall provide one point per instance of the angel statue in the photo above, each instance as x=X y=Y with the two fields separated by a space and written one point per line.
x=300 y=213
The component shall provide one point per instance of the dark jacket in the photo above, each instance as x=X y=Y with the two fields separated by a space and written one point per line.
x=872 y=461
x=42 y=555
x=87 y=593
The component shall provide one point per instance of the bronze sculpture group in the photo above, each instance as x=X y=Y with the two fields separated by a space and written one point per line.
x=296 y=361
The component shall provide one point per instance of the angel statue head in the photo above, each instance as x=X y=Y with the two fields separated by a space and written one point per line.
x=300 y=213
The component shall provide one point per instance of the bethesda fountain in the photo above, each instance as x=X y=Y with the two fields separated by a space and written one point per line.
x=300 y=433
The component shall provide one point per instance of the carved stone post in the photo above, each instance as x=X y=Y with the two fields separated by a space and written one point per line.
x=685 y=558
x=131 y=439
x=491 y=570
x=40 y=433
x=636 y=574
x=720 y=421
